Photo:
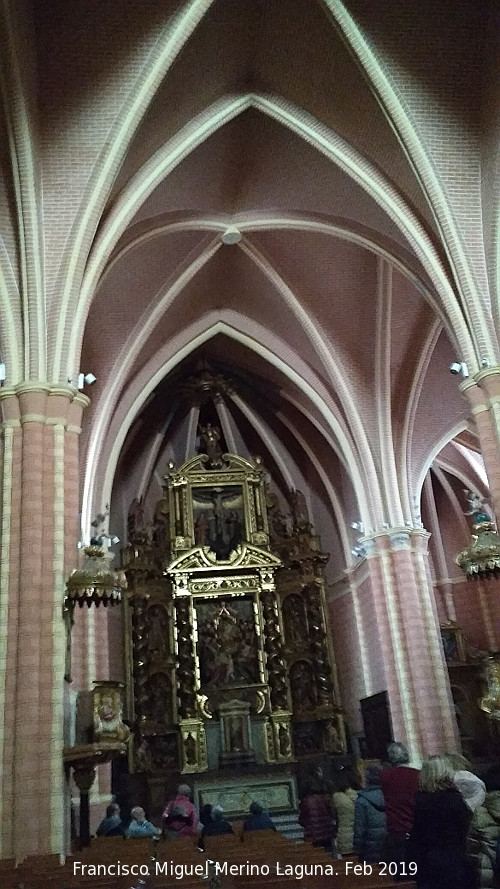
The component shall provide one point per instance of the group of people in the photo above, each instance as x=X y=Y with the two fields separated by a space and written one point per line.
x=438 y=825
x=180 y=818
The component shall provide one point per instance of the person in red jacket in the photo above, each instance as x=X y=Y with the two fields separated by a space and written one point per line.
x=317 y=818
x=180 y=818
x=399 y=785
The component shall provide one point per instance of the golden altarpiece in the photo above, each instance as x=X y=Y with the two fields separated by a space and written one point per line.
x=229 y=659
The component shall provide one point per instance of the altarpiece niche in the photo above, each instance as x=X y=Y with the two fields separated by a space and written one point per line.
x=228 y=654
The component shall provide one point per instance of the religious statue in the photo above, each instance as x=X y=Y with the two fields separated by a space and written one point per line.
x=303 y=686
x=157 y=633
x=236 y=741
x=295 y=621
x=143 y=759
x=490 y=702
x=190 y=750
x=209 y=445
x=107 y=706
x=475 y=501
x=284 y=742
x=331 y=738
x=280 y=523
x=135 y=520
x=159 y=698
x=300 y=512
x=161 y=523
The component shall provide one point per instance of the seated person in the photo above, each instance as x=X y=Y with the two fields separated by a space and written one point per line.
x=180 y=818
x=258 y=818
x=111 y=825
x=139 y=827
x=217 y=825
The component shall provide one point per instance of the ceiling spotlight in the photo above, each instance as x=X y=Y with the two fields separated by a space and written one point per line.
x=232 y=235
x=459 y=368
x=86 y=380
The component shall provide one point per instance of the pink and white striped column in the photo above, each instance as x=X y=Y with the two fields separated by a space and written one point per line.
x=414 y=670
x=40 y=427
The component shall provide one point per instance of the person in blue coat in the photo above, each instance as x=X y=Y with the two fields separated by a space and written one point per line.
x=258 y=818
x=369 y=818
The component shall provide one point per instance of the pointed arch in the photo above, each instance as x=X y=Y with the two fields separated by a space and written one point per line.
x=476 y=306
x=177 y=31
x=306 y=127
x=171 y=355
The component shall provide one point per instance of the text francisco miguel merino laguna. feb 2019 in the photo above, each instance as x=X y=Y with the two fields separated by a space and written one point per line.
x=223 y=868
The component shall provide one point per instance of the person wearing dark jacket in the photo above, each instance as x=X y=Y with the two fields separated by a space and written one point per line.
x=370 y=826
x=216 y=825
x=317 y=818
x=111 y=825
x=258 y=818
x=440 y=827
x=399 y=786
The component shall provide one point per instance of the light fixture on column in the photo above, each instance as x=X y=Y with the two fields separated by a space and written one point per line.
x=95 y=582
x=481 y=559
x=86 y=380
x=459 y=367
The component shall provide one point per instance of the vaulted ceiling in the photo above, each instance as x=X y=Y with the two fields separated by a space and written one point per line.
x=353 y=145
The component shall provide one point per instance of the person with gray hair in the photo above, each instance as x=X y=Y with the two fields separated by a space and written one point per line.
x=139 y=826
x=217 y=824
x=180 y=817
x=399 y=784
x=397 y=754
x=258 y=818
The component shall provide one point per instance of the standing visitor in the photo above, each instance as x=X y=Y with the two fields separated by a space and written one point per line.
x=370 y=826
x=440 y=828
x=399 y=784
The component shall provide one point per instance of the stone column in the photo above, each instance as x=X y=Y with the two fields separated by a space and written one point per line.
x=40 y=424
x=411 y=655
x=483 y=394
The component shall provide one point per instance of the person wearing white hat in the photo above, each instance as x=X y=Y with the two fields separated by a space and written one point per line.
x=471 y=787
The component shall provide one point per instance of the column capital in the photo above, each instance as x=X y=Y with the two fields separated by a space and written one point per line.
x=35 y=401
x=394 y=539
x=484 y=382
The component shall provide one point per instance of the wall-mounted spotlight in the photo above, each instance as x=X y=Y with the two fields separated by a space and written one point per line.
x=3 y=372
x=358 y=526
x=359 y=551
x=86 y=380
x=457 y=367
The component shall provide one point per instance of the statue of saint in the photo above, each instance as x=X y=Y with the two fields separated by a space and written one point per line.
x=284 y=742
x=236 y=740
x=331 y=737
x=135 y=519
x=300 y=512
x=190 y=750
x=209 y=445
x=475 y=501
